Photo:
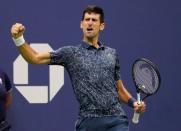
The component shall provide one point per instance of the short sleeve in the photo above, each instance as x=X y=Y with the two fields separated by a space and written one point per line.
x=62 y=56
x=117 y=75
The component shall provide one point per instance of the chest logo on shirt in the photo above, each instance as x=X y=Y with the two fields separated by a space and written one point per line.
x=35 y=93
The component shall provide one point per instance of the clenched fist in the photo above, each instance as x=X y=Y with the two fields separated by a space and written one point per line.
x=17 y=30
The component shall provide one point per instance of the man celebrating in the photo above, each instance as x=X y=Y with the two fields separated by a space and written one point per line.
x=94 y=71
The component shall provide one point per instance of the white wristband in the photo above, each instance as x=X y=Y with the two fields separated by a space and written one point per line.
x=19 y=41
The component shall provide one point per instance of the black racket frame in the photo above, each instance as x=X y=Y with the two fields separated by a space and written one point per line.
x=138 y=90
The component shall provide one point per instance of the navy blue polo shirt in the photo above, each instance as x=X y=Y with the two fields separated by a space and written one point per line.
x=93 y=72
x=5 y=86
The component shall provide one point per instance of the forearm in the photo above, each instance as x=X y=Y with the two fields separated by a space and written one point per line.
x=28 y=53
x=123 y=93
x=33 y=57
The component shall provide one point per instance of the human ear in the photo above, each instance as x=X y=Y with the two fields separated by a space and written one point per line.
x=81 y=25
x=102 y=26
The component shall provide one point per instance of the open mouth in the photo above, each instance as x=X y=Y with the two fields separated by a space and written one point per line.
x=89 y=29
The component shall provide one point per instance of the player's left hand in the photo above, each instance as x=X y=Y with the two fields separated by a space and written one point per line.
x=140 y=108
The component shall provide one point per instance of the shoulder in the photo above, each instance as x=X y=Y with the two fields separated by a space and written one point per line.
x=63 y=54
x=110 y=50
x=68 y=49
x=63 y=51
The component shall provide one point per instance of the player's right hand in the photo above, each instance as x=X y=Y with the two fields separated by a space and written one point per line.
x=17 y=30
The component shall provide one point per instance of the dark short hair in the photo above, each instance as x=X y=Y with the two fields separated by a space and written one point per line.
x=94 y=9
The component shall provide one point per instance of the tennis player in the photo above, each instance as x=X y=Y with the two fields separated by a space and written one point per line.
x=94 y=71
x=5 y=100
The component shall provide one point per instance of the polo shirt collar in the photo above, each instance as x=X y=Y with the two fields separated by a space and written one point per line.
x=88 y=46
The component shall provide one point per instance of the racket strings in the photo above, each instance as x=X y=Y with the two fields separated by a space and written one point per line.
x=146 y=77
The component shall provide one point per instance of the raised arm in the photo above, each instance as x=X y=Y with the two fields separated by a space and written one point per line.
x=28 y=53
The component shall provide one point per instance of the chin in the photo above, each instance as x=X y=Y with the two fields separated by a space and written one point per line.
x=90 y=36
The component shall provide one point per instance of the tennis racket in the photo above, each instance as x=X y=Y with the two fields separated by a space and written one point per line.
x=147 y=81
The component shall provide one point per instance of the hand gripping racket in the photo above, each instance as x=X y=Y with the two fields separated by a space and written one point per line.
x=147 y=81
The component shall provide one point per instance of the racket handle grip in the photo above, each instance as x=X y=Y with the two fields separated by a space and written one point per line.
x=135 y=118
x=136 y=115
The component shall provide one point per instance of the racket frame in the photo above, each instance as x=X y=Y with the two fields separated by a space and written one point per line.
x=136 y=115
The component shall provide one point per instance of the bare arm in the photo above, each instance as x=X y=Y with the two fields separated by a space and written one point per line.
x=33 y=57
x=28 y=53
x=125 y=97
x=123 y=93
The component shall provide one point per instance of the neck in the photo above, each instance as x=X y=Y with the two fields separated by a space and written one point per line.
x=92 y=41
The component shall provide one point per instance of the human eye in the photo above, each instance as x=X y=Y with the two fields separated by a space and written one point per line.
x=87 y=19
x=94 y=20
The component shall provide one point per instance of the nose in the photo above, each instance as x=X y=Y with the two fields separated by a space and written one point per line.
x=90 y=22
